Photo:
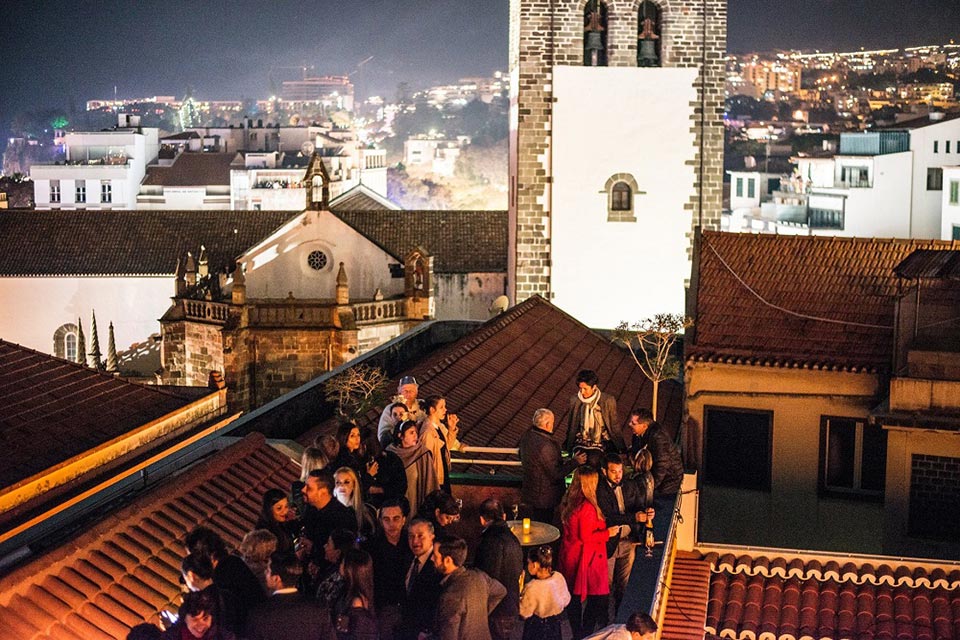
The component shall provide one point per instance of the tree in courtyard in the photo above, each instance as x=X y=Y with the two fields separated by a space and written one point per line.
x=651 y=342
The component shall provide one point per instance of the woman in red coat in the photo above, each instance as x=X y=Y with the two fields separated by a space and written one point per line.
x=583 y=554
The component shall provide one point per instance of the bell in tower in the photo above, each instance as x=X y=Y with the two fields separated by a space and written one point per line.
x=594 y=34
x=648 y=36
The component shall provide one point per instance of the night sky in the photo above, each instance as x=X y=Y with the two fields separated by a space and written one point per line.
x=53 y=52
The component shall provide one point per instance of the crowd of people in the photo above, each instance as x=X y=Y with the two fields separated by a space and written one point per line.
x=361 y=547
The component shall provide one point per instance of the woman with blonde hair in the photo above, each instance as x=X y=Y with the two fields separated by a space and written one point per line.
x=347 y=491
x=583 y=553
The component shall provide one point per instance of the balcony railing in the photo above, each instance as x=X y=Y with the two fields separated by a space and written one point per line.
x=206 y=311
x=825 y=219
x=370 y=312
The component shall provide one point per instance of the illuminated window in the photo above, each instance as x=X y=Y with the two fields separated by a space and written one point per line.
x=81 y=191
x=54 y=191
x=853 y=457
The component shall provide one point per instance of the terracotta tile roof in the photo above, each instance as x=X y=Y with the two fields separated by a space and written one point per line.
x=781 y=599
x=685 y=617
x=461 y=241
x=526 y=358
x=126 y=568
x=193 y=169
x=820 y=301
x=62 y=243
x=53 y=410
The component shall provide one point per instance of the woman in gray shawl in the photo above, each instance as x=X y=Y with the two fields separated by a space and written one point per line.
x=417 y=463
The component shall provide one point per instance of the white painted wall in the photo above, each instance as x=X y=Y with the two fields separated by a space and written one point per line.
x=606 y=272
x=278 y=265
x=926 y=204
x=467 y=296
x=950 y=212
x=34 y=308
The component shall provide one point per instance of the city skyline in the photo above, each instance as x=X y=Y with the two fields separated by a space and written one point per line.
x=233 y=51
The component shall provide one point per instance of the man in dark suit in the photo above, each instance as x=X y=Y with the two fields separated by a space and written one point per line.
x=422 y=582
x=622 y=508
x=468 y=596
x=323 y=514
x=500 y=556
x=287 y=614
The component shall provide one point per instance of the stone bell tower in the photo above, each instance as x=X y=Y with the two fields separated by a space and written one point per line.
x=616 y=150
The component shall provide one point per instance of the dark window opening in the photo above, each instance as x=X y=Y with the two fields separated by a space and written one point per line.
x=853 y=457
x=935 y=179
x=738 y=448
x=620 y=197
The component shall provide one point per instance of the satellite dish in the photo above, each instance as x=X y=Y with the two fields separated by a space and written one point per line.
x=307 y=148
x=499 y=305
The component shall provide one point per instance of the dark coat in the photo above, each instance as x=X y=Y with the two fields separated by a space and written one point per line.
x=420 y=605
x=607 y=499
x=239 y=590
x=667 y=464
x=543 y=470
x=611 y=420
x=467 y=599
x=500 y=556
x=289 y=616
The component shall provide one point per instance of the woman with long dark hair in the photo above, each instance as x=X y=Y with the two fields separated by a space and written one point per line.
x=356 y=619
x=417 y=463
x=279 y=518
x=583 y=553
x=544 y=597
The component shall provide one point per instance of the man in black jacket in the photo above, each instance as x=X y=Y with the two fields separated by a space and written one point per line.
x=287 y=614
x=500 y=556
x=667 y=464
x=422 y=582
x=543 y=468
x=622 y=509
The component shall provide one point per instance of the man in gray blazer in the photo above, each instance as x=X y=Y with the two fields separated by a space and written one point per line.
x=468 y=596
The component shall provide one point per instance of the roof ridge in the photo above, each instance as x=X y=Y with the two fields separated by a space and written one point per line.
x=116 y=522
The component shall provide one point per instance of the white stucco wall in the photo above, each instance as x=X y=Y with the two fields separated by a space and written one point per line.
x=467 y=296
x=278 y=265
x=950 y=213
x=926 y=204
x=34 y=308
x=605 y=272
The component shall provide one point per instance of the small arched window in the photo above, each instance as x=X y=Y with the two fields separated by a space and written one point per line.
x=620 y=197
x=595 y=34
x=649 y=52
x=65 y=342
x=621 y=191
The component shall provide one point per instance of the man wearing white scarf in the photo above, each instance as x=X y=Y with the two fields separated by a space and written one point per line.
x=592 y=422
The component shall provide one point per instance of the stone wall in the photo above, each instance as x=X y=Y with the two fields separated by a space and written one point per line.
x=190 y=351
x=544 y=34
x=263 y=364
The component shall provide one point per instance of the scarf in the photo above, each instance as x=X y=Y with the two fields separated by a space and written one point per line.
x=591 y=420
